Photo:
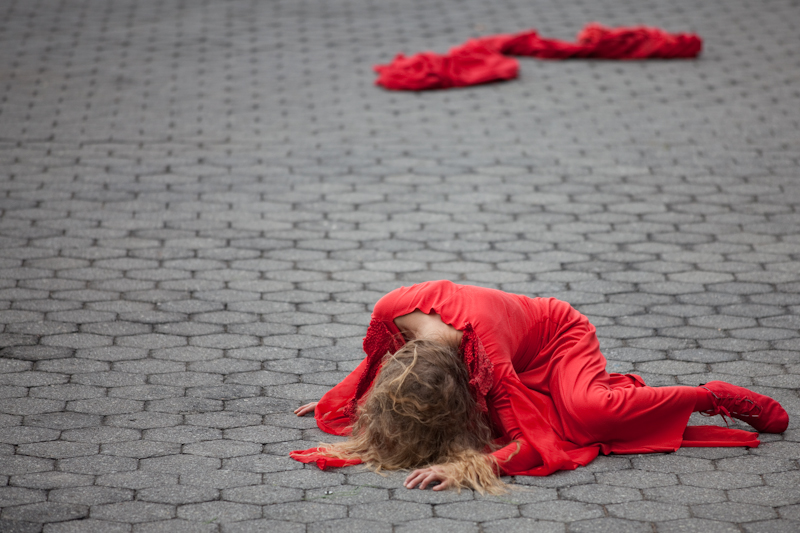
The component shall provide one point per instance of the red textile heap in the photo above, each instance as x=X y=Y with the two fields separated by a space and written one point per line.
x=484 y=60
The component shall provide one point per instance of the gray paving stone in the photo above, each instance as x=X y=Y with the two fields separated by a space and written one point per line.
x=514 y=525
x=348 y=524
x=132 y=512
x=790 y=512
x=684 y=495
x=636 y=479
x=733 y=512
x=100 y=435
x=305 y=512
x=262 y=406
x=476 y=511
x=87 y=525
x=220 y=479
x=253 y=526
x=137 y=479
x=609 y=524
x=179 y=464
x=671 y=464
x=429 y=496
x=558 y=479
x=58 y=449
x=263 y=462
x=51 y=480
x=518 y=495
x=222 y=420
x=31 y=406
x=10 y=421
x=601 y=494
x=782 y=479
x=97 y=465
x=25 y=435
x=721 y=480
x=771 y=525
x=45 y=512
x=768 y=496
x=305 y=479
x=10 y=496
x=649 y=511
x=261 y=494
x=391 y=511
x=696 y=524
x=16 y=526
x=143 y=420
x=224 y=449
x=90 y=495
x=437 y=524
x=22 y=465
x=177 y=494
x=176 y=525
x=219 y=511
x=562 y=511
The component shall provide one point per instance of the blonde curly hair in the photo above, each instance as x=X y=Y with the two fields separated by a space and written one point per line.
x=420 y=412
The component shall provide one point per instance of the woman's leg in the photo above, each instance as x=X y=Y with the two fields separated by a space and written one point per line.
x=616 y=411
x=625 y=416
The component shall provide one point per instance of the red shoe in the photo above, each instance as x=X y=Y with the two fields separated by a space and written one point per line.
x=761 y=412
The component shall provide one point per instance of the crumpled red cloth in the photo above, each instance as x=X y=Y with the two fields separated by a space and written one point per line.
x=484 y=59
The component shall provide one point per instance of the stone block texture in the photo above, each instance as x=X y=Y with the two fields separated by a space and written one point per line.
x=201 y=201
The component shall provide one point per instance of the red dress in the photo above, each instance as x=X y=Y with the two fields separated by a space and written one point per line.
x=535 y=365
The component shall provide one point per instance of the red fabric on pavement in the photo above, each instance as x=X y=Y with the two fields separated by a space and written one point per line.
x=461 y=67
x=484 y=59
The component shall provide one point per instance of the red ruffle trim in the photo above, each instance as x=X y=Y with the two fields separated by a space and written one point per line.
x=483 y=60
x=478 y=364
x=378 y=341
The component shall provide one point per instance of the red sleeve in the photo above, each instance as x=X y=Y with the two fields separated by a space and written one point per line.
x=330 y=410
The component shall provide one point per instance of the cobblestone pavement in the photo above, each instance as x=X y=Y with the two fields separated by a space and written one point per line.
x=201 y=200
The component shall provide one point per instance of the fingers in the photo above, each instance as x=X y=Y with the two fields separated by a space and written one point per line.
x=416 y=477
x=443 y=485
x=424 y=477
x=413 y=479
x=305 y=409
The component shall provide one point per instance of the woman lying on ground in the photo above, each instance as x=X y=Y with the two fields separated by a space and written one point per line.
x=465 y=384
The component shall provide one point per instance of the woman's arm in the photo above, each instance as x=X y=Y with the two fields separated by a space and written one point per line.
x=418 y=325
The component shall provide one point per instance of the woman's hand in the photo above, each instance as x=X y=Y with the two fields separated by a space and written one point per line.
x=425 y=476
x=305 y=409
